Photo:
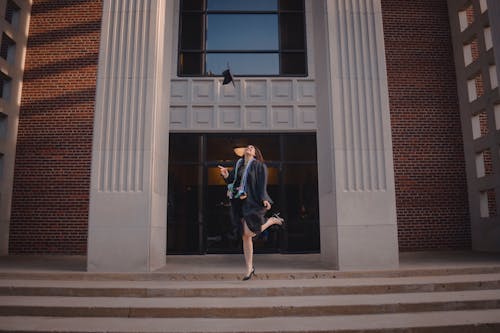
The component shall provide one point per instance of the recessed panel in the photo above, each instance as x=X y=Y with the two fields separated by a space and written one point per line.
x=178 y=116
x=203 y=116
x=179 y=92
x=283 y=116
x=256 y=91
x=306 y=92
x=282 y=91
x=229 y=116
x=256 y=116
x=229 y=93
x=307 y=116
x=203 y=91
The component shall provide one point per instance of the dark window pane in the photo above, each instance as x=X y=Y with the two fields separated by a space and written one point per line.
x=192 y=5
x=292 y=31
x=302 y=210
x=242 y=5
x=5 y=46
x=243 y=63
x=12 y=12
x=250 y=43
x=5 y=86
x=192 y=32
x=300 y=148
x=291 y=4
x=293 y=64
x=242 y=32
x=191 y=64
x=184 y=148
x=184 y=191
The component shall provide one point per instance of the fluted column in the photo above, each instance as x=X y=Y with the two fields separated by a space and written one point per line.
x=357 y=196
x=127 y=220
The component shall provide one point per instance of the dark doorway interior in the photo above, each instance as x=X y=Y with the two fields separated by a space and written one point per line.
x=198 y=209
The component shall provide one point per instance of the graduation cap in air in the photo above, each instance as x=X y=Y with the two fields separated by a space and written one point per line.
x=227 y=77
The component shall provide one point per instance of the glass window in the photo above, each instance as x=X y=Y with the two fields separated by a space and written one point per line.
x=292 y=31
x=242 y=5
x=299 y=148
x=12 y=12
x=5 y=82
x=190 y=151
x=292 y=5
x=302 y=209
x=192 y=26
x=192 y=5
x=184 y=190
x=8 y=49
x=258 y=37
x=231 y=32
x=243 y=63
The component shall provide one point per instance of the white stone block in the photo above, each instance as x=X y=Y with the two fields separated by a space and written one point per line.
x=203 y=91
x=256 y=91
x=179 y=91
x=368 y=247
x=282 y=117
x=178 y=116
x=202 y=116
x=282 y=91
x=230 y=116
x=256 y=116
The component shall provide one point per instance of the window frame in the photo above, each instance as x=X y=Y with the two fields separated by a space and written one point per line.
x=203 y=51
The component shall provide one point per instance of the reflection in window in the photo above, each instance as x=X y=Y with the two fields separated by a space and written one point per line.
x=231 y=32
x=12 y=12
x=244 y=63
x=242 y=5
x=5 y=88
x=258 y=37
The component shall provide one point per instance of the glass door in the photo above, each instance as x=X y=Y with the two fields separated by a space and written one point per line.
x=199 y=218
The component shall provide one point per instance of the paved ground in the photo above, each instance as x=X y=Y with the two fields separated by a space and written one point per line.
x=234 y=263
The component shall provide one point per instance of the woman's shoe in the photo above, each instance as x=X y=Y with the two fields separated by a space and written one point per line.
x=249 y=276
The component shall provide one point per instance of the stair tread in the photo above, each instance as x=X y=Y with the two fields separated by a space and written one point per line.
x=233 y=272
x=249 y=302
x=264 y=283
x=269 y=324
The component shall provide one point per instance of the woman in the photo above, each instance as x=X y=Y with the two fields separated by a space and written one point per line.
x=249 y=200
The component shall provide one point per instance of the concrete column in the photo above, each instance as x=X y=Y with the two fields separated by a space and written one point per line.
x=10 y=102
x=127 y=219
x=475 y=26
x=356 y=173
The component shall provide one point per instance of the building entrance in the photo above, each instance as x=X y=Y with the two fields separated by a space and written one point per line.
x=198 y=209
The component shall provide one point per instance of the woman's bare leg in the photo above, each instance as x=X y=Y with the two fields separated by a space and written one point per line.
x=271 y=221
x=248 y=246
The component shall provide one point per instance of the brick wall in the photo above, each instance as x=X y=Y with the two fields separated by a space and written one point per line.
x=431 y=192
x=53 y=157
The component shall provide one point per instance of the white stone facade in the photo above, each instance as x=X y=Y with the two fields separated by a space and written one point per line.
x=343 y=99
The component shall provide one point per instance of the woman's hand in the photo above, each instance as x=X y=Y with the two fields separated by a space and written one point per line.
x=223 y=171
x=266 y=204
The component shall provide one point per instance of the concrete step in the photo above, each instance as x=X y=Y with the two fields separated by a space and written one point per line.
x=247 y=307
x=487 y=321
x=265 y=274
x=253 y=288
x=438 y=299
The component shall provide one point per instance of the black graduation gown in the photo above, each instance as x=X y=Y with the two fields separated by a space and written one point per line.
x=251 y=208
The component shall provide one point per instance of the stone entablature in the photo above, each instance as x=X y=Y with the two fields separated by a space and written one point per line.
x=254 y=104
